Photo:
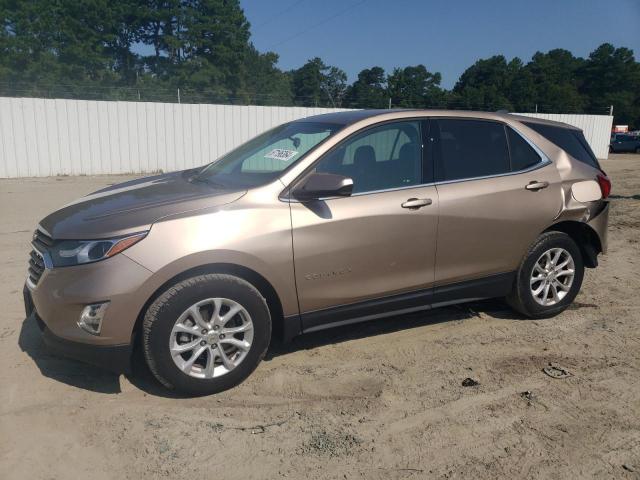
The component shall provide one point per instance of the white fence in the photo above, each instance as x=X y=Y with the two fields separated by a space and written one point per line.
x=41 y=137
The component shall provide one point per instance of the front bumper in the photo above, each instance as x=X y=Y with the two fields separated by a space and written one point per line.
x=60 y=295
x=114 y=358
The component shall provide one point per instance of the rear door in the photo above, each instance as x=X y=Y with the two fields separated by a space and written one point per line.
x=492 y=204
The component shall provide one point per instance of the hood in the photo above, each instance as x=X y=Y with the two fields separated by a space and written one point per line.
x=133 y=206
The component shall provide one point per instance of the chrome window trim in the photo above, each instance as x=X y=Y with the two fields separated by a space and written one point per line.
x=543 y=163
x=359 y=194
x=395 y=189
x=544 y=159
x=537 y=166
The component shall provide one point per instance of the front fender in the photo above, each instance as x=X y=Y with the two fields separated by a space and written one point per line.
x=258 y=239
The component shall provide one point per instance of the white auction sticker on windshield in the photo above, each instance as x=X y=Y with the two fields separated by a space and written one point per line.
x=281 y=154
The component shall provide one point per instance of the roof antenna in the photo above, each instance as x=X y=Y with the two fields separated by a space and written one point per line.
x=502 y=111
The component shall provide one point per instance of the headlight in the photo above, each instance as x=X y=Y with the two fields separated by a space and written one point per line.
x=74 y=252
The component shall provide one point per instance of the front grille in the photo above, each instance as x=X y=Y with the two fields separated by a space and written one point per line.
x=41 y=243
x=36 y=266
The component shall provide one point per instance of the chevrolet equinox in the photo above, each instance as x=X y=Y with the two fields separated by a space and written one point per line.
x=319 y=222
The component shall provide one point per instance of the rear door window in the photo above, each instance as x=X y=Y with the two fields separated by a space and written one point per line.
x=468 y=149
x=571 y=141
x=523 y=155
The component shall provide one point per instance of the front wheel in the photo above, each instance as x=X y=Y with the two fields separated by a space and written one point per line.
x=549 y=277
x=206 y=334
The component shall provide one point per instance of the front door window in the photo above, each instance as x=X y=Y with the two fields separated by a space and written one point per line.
x=380 y=158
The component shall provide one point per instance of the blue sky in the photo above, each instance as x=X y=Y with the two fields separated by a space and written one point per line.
x=445 y=36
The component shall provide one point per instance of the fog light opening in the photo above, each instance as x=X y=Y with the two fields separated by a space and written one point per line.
x=91 y=317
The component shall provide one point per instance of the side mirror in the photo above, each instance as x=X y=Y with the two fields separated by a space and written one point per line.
x=320 y=185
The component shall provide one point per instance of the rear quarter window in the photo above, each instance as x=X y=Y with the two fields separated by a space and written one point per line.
x=571 y=141
x=523 y=156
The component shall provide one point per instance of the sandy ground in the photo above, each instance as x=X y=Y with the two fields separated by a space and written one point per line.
x=381 y=400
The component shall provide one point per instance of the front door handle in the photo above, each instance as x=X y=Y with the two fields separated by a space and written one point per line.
x=535 y=186
x=415 y=203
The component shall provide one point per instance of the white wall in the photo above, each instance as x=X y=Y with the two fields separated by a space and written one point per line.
x=42 y=137
x=596 y=128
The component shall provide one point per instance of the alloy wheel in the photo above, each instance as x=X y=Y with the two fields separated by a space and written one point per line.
x=552 y=276
x=211 y=338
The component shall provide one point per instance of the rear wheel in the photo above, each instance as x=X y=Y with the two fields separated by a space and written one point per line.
x=549 y=277
x=206 y=334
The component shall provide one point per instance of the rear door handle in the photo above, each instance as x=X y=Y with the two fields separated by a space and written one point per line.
x=415 y=203
x=535 y=186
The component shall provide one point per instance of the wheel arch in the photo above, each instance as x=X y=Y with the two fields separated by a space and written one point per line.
x=265 y=288
x=586 y=239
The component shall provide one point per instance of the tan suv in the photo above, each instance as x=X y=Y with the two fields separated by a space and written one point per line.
x=320 y=222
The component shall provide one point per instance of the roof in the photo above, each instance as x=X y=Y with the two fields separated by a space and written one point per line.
x=348 y=117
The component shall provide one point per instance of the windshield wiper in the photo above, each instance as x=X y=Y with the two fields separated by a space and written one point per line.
x=198 y=178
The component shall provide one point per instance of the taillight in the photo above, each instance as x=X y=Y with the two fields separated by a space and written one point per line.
x=605 y=184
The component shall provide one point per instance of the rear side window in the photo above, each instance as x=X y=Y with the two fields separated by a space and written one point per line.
x=468 y=149
x=571 y=141
x=523 y=156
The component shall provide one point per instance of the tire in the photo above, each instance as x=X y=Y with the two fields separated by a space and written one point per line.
x=637 y=149
x=522 y=298
x=170 y=322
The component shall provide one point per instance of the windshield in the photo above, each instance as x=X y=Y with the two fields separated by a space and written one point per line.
x=263 y=158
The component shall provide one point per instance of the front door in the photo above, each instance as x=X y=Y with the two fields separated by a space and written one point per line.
x=376 y=243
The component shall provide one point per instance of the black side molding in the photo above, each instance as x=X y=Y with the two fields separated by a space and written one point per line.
x=367 y=310
x=492 y=286
x=498 y=285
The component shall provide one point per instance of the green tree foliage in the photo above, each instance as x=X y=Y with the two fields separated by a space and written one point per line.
x=93 y=48
x=522 y=90
x=214 y=38
x=555 y=79
x=415 y=87
x=150 y=49
x=369 y=90
x=611 y=76
x=486 y=84
x=555 y=82
x=266 y=84
x=318 y=84
x=160 y=22
x=69 y=43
